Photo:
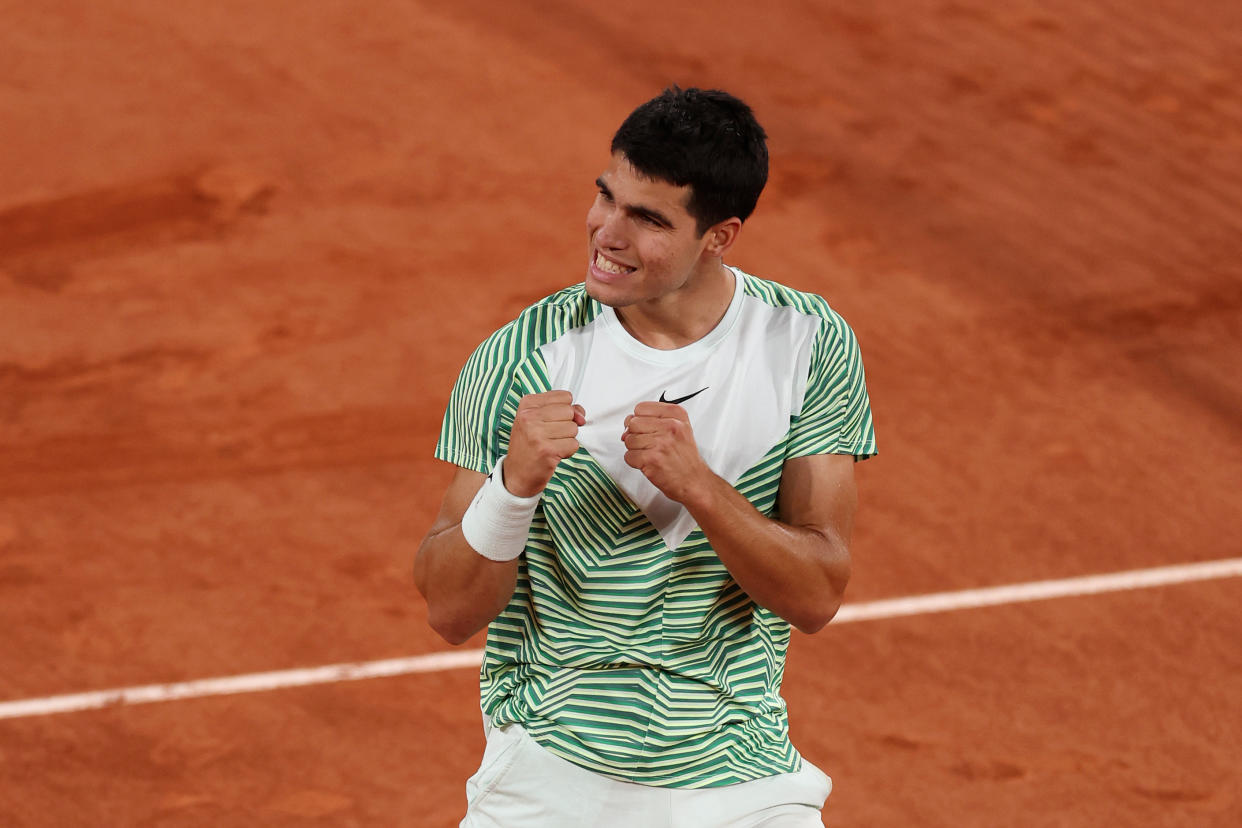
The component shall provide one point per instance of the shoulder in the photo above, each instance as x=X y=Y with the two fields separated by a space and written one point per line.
x=832 y=328
x=538 y=324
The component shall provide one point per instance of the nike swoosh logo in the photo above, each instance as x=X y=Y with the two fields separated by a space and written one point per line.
x=680 y=400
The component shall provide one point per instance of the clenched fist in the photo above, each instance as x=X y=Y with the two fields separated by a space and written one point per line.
x=545 y=432
x=660 y=444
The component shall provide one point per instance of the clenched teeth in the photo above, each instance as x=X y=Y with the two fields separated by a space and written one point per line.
x=610 y=266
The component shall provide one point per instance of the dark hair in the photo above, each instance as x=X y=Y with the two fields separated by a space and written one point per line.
x=705 y=138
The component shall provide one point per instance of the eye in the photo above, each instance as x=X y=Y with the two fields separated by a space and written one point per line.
x=605 y=195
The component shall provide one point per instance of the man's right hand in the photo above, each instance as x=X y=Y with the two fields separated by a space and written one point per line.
x=545 y=432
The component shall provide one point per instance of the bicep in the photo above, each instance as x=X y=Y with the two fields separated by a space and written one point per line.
x=818 y=492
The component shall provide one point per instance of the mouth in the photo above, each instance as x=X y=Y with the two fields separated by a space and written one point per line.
x=606 y=269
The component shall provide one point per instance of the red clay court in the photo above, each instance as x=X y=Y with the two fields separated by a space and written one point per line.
x=245 y=248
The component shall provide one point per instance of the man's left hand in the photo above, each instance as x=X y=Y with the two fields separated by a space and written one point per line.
x=660 y=444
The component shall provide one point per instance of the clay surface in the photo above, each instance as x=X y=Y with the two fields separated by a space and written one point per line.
x=246 y=247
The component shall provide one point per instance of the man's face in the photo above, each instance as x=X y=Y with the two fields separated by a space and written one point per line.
x=643 y=244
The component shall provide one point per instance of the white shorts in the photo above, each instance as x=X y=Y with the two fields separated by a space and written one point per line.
x=521 y=785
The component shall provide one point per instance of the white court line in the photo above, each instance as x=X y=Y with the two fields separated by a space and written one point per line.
x=435 y=662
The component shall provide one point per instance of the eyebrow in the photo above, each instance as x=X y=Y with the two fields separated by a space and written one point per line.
x=636 y=210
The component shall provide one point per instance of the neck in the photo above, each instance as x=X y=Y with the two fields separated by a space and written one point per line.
x=683 y=316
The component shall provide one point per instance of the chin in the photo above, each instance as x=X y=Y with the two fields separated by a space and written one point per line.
x=606 y=294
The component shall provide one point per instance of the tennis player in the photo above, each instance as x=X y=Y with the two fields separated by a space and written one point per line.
x=654 y=483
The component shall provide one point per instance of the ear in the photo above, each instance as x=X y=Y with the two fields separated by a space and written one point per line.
x=720 y=237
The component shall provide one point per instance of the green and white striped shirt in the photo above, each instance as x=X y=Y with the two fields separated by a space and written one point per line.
x=627 y=647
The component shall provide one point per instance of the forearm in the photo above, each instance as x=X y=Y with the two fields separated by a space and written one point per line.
x=464 y=590
x=467 y=565
x=800 y=573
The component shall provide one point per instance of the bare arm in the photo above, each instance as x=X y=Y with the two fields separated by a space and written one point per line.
x=796 y=566
x=463 y=589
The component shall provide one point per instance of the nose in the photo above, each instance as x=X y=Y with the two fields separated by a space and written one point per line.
x=607 y=227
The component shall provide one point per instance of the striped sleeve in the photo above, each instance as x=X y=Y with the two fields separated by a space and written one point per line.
x=836 y=412
x=472 y=433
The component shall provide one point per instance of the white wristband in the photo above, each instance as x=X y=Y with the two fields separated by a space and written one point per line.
x=497 y=522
